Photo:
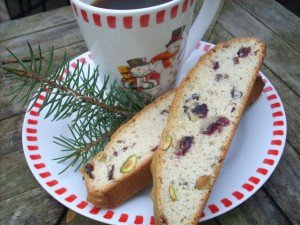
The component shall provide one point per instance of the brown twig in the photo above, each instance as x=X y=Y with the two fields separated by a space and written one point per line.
x=92 y=144
x=76 y=94
x=24 y=59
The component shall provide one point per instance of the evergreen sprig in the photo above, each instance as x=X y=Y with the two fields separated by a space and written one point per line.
x=96 y=112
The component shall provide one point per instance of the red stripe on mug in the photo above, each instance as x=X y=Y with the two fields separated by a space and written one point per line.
x=97 y=20
x=184 y=6
x=174 y=11
x=127 y=21
x=84 y=15
x=144 y=20
x=160 y=16
x=111 y=22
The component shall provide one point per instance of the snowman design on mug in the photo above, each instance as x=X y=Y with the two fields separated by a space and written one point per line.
x=172 y=53
x=140 y=76
x=145 y=77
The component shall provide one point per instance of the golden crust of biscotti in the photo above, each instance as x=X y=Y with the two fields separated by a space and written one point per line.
x=158 y=157
x=119 y=191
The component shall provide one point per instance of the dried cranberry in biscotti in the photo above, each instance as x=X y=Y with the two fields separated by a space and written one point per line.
x=217 y=126
x=235 y=93
x=216 y=65
x=243 y=52
x=184 y=145
x=89 y=169
x=111 y=173
x=115 y=153
x=195 y=97
x=236 y=60
x=154 y=148
x=163 y=219
x=124 y=148
x=200 y=110
x=164 y=112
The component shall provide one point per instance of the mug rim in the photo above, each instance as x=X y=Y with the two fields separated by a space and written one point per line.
x=125 y=11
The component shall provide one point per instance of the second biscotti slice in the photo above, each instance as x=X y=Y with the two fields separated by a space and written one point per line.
x=123 y=168
x=203 y=118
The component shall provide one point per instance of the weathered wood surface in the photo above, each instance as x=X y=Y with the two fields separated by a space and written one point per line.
x=23 y=201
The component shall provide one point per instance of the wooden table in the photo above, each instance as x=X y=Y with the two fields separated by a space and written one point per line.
x=24 y=201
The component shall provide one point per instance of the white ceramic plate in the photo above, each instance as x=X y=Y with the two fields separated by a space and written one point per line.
x=253 y=156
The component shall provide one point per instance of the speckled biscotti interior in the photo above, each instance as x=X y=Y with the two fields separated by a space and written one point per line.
x=202 y=121
x=123 y=168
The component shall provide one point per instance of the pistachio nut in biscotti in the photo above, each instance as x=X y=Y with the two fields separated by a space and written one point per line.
x=203 y=118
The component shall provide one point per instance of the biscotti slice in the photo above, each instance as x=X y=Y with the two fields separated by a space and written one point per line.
x=203 y=118
x=123 y=168
x=109 y=183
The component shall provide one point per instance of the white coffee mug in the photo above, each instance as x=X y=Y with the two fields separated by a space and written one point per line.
x=143 y=48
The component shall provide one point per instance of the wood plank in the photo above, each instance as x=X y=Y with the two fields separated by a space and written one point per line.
x=35 y=23
x=9 y=109
x=258 y=210
x=32 y=207
x=285 y=178
x=289 y=98
x=280 y=20
x=284 y=186
x=11 y=183
x=11 y=135
x=22 y=200
x=79 y=220
x=281 y=58
x=64 y=35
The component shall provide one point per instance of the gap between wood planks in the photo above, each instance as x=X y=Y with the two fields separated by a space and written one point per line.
x=269 y=27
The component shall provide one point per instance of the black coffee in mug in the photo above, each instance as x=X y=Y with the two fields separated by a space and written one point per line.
x=127 y=4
